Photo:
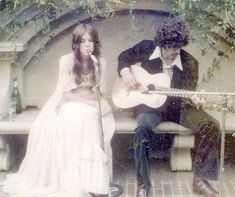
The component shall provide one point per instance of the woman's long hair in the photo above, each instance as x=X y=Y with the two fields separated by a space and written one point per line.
x=78 y=32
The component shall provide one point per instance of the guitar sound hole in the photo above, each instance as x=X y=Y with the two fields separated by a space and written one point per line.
x=151 y=87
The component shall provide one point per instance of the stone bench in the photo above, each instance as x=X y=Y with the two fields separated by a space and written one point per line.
x=180 y=159
x=29 y=84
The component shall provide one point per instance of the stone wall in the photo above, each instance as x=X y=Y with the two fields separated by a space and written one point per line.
x=39 y=72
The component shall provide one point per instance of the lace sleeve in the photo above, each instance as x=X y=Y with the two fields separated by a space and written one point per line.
x=65 y=82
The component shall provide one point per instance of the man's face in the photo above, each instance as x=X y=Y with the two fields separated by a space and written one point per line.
x=170 y=52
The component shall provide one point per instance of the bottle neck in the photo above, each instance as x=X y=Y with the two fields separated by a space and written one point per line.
x=15 y=84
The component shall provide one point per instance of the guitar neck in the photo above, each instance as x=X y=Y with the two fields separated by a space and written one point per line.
x=185 y=93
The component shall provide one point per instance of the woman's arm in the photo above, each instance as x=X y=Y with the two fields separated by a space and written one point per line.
x=64 y=75
x=89 y=99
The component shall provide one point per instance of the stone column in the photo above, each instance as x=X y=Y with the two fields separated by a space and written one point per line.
x=8 y=54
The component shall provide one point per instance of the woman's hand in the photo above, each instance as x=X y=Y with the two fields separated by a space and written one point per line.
x=89 y=99
x=59 y=105
x=65 y=97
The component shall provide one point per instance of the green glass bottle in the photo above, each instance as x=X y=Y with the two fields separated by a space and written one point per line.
x=15 y=97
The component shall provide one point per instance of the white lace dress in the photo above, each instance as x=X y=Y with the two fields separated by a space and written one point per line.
x=64 y=157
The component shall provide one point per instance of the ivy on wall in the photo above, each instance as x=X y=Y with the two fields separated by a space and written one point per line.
x=9 y=21
x=214 y=19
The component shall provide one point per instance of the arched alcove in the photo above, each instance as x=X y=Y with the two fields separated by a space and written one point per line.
x=116 y=34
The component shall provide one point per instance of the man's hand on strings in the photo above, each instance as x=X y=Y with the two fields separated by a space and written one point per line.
x=198 y=100
x=129 y=79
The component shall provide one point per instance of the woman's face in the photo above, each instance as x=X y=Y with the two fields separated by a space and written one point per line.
x=86 y=45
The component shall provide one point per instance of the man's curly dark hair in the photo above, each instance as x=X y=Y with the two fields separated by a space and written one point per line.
x=172 y=33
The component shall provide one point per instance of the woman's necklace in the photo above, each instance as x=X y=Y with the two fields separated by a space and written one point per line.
x=85 y=72
x=84 y=77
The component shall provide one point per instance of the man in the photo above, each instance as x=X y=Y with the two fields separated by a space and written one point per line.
x=165 y=54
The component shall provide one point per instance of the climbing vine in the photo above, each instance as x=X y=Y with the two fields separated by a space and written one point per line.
x=214 y=19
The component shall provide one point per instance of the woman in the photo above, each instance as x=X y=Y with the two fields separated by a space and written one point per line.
x=64 y=154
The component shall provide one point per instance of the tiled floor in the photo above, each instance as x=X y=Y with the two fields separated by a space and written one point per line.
x=165 y=183
x=169 y=184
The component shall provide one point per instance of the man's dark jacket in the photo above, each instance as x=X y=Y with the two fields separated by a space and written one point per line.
x=185 y=79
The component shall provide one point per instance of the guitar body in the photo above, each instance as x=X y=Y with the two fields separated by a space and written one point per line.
x=158 y=86
x=124 y=98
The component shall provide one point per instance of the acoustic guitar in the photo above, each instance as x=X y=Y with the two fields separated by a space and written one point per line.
x=153 y=90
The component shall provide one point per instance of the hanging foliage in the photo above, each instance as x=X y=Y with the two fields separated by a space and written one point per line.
x=213 y=19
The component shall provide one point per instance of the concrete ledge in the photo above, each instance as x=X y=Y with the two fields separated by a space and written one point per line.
x=20 y=125
x=12 y=46
x=124 y=123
